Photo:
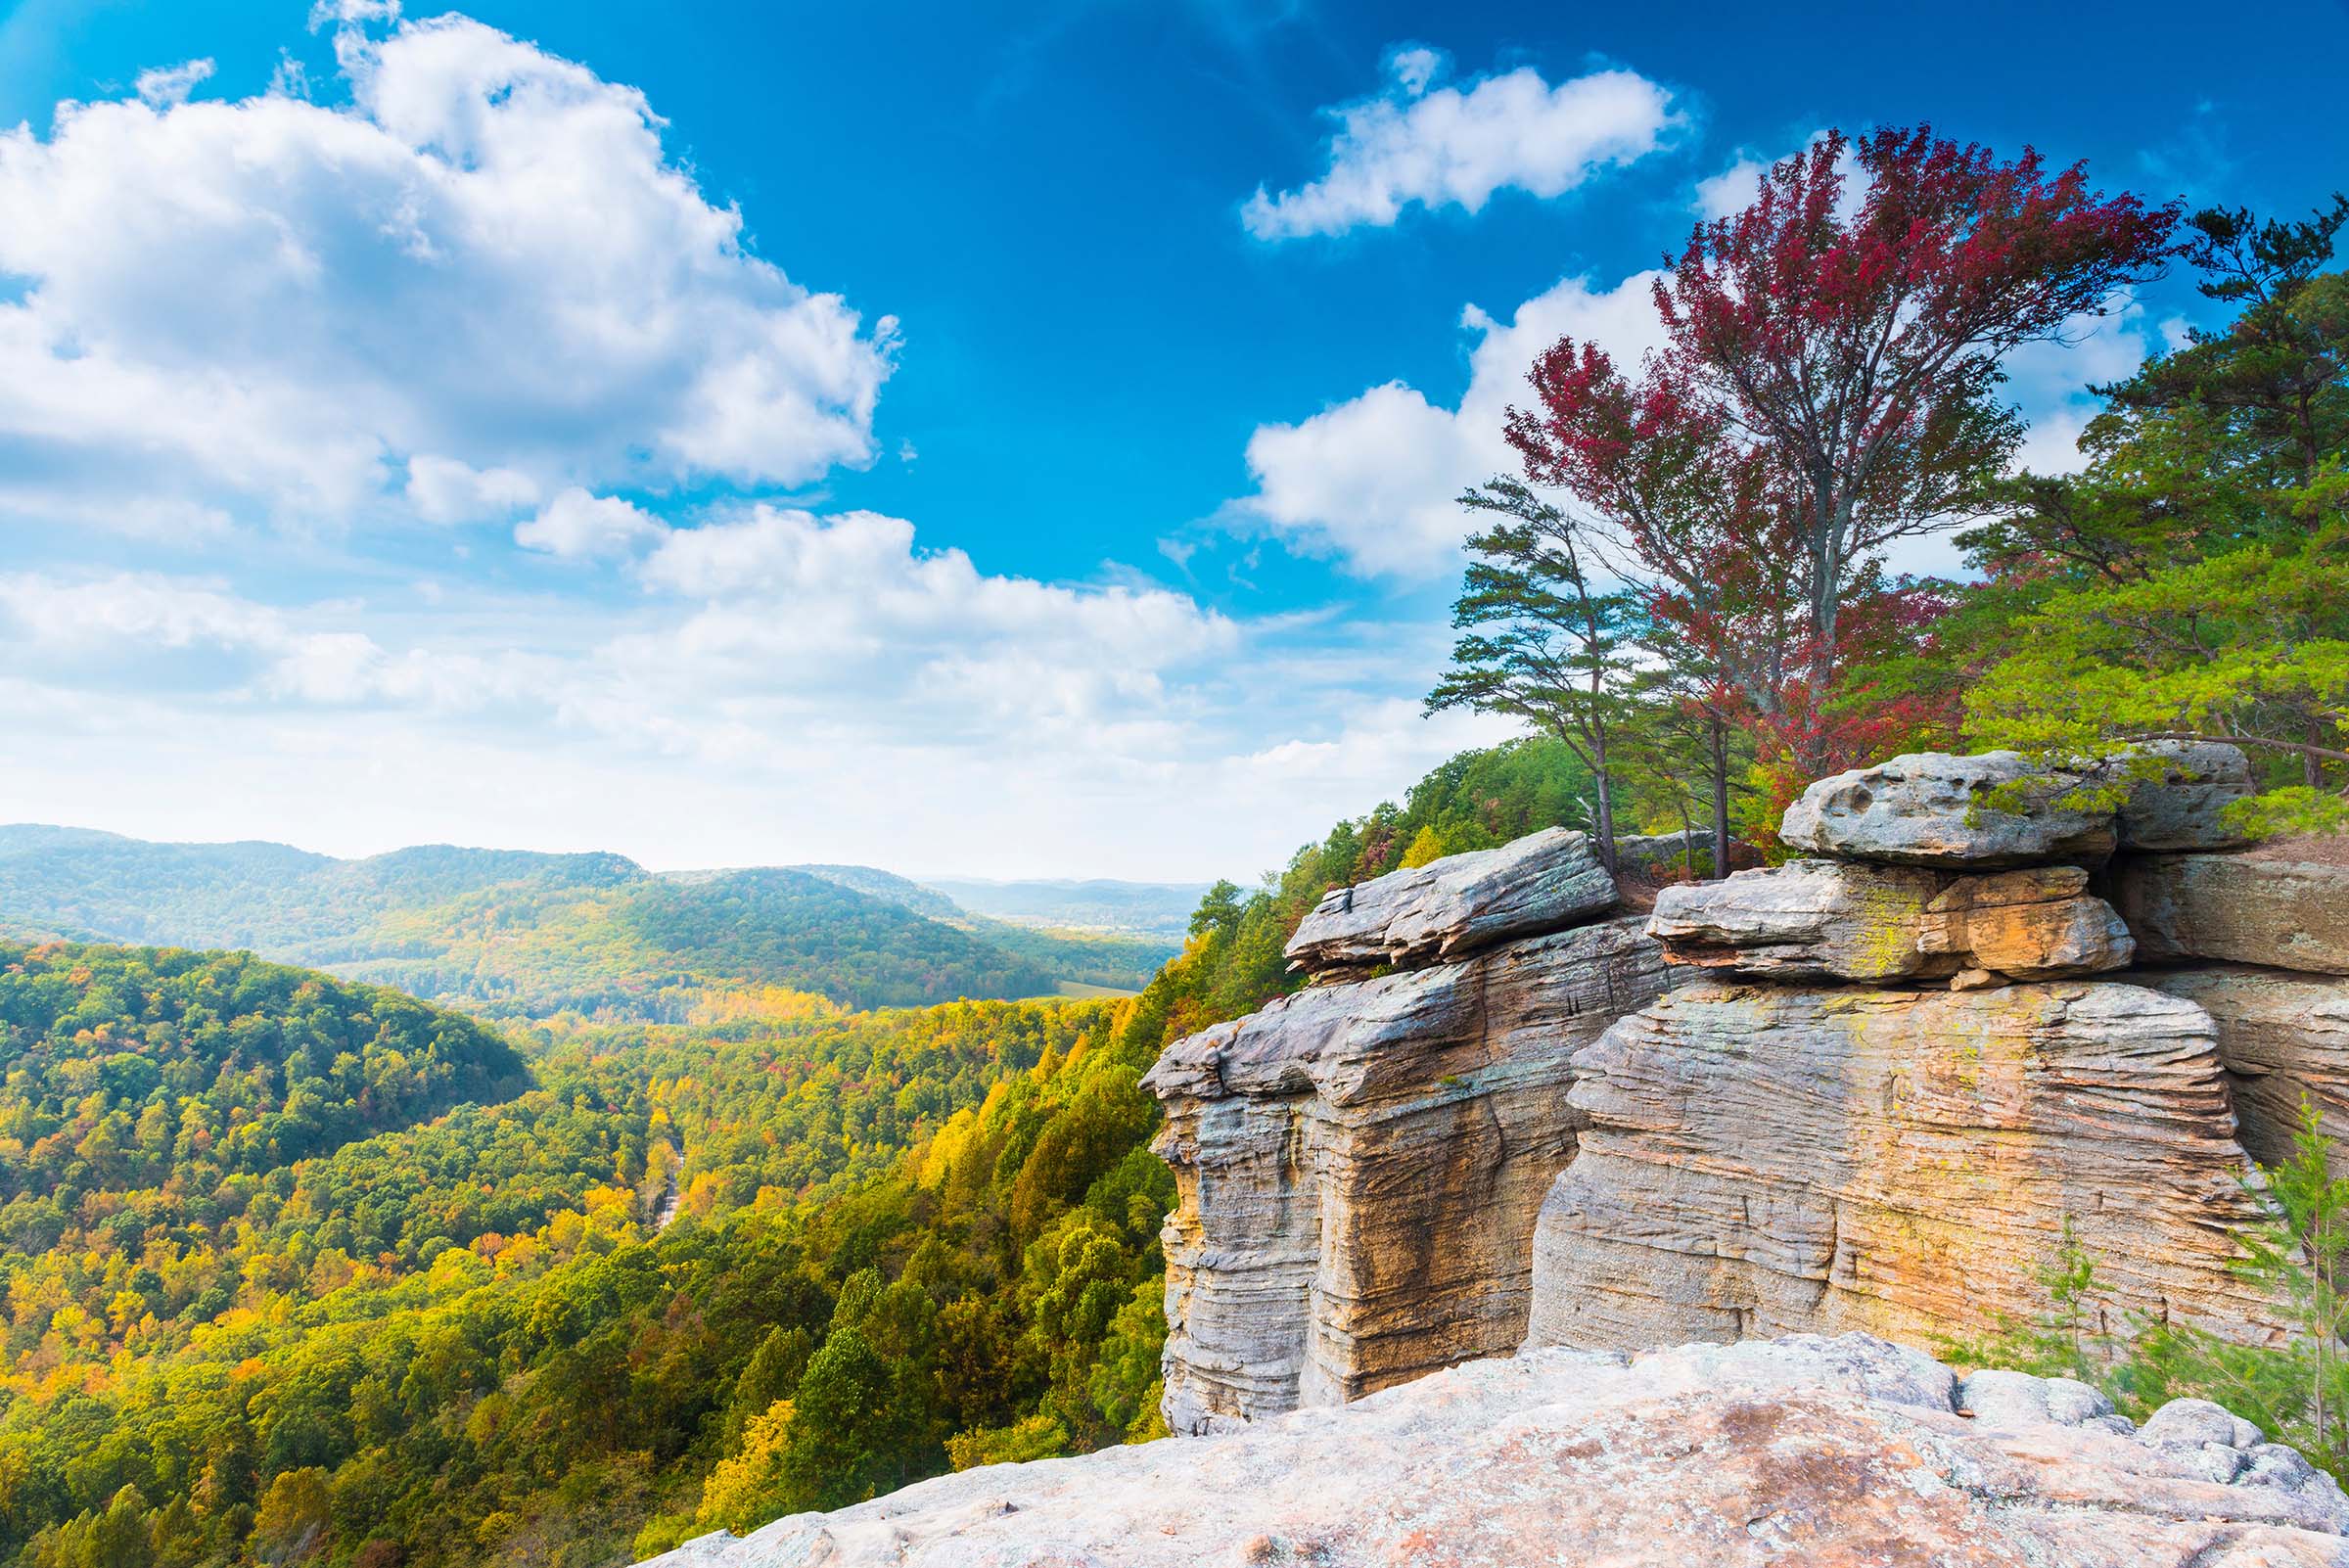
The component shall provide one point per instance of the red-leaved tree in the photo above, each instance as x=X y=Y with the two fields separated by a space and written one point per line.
x=1828 y=386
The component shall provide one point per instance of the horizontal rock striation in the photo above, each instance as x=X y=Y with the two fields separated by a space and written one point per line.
x=1762 y=1160
x=1449 y=908
x=1358 y=1168
x=1813 y=920
x=2264 y=907
x=1845 y=1451
x=2283 y=1039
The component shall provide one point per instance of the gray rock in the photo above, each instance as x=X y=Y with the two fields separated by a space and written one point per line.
x=2181 y=807
x=1837 y=920
x=1804 y=920
x=2262 y=908
x=1761 y=1160
x=2192 y=1423
x=1926 y=808
x=1357 y=1168
x=1447 y=908
x=2283 y=1038
x=2004 y=1399
x=1806 y=1450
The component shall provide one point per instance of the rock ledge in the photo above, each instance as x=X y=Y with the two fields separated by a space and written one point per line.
x=1817 y=1451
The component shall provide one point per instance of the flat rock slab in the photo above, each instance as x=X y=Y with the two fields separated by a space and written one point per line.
x=1543 y=882
x=1761 y=1160
x=2282 y=1038
x=1834 y=1453
x=1811 y=921
x=2254 y=908
x=1928 y=808
x=1358 y=1169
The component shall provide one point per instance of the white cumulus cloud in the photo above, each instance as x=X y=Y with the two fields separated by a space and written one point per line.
x=1375 y=481
x=171 y=84
x=1457 y=145
x=443 y=490
x=578 y=525
x=486 y=257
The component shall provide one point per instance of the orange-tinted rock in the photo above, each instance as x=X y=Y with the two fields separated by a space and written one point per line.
x=1835 y=920
x=1358 y=1167
x=1764 y=1159
x=2282 y=1038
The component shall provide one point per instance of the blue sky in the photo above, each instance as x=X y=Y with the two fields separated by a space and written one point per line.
x=985 y=439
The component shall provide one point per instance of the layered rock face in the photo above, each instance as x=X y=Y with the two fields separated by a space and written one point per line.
x=2283 y=1039
x=1831 y=920
x=1767 y=1159
x=1358 y=1167
x=1815 y=1142
x=1545 y=881
x=2263 y=907
x=1828 y=1452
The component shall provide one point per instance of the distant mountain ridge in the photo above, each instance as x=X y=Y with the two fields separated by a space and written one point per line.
x=1157 y=908
x=527 y=933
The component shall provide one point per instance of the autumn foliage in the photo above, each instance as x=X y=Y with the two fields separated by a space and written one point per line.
x=1828 y=386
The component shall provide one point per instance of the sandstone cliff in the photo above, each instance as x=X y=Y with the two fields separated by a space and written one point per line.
x=1882 y=1114
x=1829 y=1452
x=1358 y=1167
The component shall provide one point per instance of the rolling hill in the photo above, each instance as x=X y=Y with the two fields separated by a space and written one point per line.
x=514 y=933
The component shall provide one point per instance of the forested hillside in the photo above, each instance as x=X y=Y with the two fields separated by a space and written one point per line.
x=338 y=1314
x=523 y=935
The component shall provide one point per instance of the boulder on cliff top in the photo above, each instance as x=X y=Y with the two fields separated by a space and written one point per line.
x=2181 y=806
x=1543 y=882
x=1832 y=1451
x=1931 y=808
x=2285 y=905
x=1357 y=1168
x=1813 y=920
x=1764 y=1159
x=1927 y=808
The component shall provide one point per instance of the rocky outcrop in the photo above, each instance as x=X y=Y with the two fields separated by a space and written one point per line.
x=1449 y=908
x=1901 y=1066
x=1827 y=1452
x=1812 y=1142
x=1930 y=809
x=1934 y=808
x=1761 y=1160
x=2280 y=905
x=1813 y=920
x=2282 y=1038
x=1358 y=1168
x=2181 y=800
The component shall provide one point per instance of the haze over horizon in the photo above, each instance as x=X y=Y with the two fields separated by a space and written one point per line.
x=494 y=428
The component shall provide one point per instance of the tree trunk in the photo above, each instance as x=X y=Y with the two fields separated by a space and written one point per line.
x=1604 y=780
x=1721 y=794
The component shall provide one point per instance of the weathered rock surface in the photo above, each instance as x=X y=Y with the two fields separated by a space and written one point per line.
x=2282 y=1038
x=1358 y=1168
x=1834 y=1453
x=2262 y=908
x=1811 y=921
x=2181 y=807
x=1451 y=907
x=1926 y=808
x=1762 y=1160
